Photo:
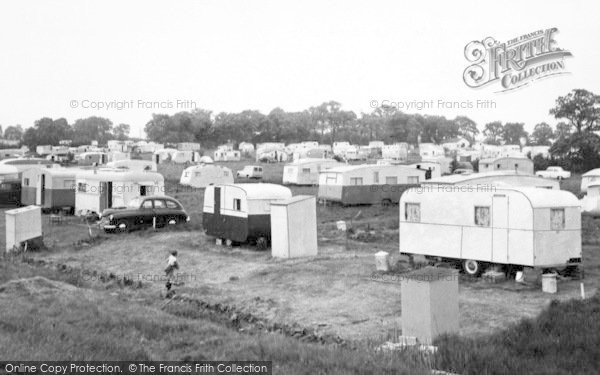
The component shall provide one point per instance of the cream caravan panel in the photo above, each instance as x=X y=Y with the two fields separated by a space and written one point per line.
x=476 y=243
x=520 y=245
x=429 y=239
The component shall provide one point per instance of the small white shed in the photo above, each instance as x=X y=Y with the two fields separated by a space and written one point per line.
x=294 y=227
x=202 y=175
x=22 y=224
x=510 y=225
x=306 y=171
x=99 y=189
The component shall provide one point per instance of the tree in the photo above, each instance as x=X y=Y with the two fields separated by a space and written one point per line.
x=467 y=128
x=14 y=133
x=92 y=129
x=1 y=134
x=331 y=119
x=581 y=108
x=493 y=132
x=121 y=132
x=542 y=135
x=513 y=132
x=47 y=131
x=563 y=130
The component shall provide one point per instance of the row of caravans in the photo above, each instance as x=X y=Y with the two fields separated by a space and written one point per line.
x=86 y=191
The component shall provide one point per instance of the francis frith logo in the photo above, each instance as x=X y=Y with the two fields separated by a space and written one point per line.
x=515 y=63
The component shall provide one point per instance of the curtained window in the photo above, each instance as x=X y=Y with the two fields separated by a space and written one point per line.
x=482 y=216
x=557 y=218
x=412 y=212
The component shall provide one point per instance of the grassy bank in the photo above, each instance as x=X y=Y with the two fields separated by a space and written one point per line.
x=49 y=318
x=563 y=339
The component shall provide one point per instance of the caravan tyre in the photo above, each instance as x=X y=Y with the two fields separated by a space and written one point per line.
x=262 y=243
x=472 y=267
x=386 y=202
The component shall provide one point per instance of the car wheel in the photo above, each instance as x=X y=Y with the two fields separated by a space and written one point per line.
x=172 y=221
x=472 y=267
x=122 y=225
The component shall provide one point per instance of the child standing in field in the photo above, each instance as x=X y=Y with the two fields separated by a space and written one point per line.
x=172 y=265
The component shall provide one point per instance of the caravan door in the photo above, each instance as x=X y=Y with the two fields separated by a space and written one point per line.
x=500 y=229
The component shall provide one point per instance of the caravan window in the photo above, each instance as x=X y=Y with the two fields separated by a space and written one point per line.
x=482 y=216
x=237 y=204
x=557 y=218
x=159 y=203
x=82 y=187
x=412 y=212
x=26 y=180
x=171 y=204
x=391 y=180
x=305 y=170
x=413 y=179
x=356 y=181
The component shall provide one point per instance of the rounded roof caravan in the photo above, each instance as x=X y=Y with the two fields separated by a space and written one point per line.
x=103 y=188
x=306 y=171
x=589 y=177
x=491 y=179
x=241 y=212
x=133 y=165
x=510 y=225
x=367 y=183
x=22 y=164
x=8 y=172
x=202 y=175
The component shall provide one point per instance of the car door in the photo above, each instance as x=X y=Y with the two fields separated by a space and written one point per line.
x=145 y=214
x=161 y=212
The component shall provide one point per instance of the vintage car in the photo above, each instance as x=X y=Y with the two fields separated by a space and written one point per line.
x=250 y=171
x=144 y=212
x=554 y=172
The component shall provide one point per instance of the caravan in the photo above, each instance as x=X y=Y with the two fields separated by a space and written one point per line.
x=202 y=175
x=50 y=188
x=520 y=226
x=522 y=165
x=133 y=165
x=241 y=212
x=496 y=179
x=99 y=189
x=91 y=158
x=227 y=155
x=367 y=183
x=306 y=171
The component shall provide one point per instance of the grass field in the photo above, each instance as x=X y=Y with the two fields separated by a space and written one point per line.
x=337 y=293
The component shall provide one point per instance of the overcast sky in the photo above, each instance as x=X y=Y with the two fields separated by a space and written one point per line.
x=237 y=55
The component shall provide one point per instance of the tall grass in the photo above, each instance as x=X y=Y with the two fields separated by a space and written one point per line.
x=563 y=339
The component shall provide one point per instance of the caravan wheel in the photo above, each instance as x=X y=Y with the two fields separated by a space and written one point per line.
x=472 y=267
x=262 y=243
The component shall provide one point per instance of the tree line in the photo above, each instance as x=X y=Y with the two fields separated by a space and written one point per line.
x=573 y=139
